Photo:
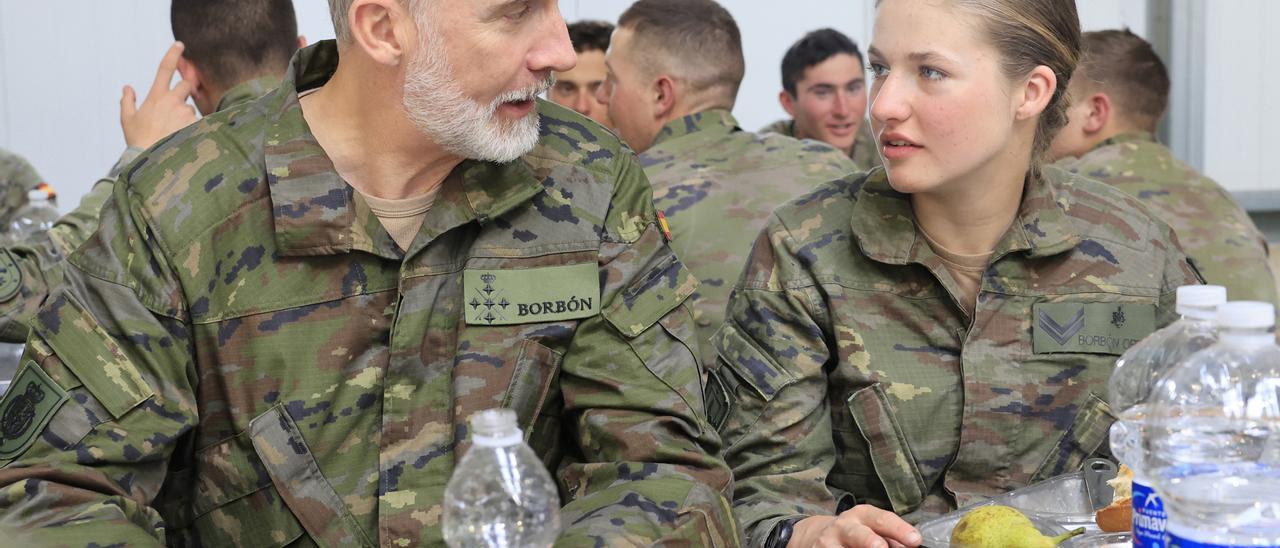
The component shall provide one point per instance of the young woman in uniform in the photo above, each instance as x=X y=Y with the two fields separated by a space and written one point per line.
x=913 y=339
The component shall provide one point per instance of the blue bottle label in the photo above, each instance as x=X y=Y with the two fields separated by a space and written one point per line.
x=1149 y=517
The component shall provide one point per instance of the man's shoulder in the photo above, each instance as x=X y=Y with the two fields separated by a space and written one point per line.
x=1101 y=211
x=745 y=153
x=567 y=138
x=781 y=127
x=195 y=177
x=824 y=210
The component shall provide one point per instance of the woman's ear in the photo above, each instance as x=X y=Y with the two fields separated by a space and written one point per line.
x=1037 y=91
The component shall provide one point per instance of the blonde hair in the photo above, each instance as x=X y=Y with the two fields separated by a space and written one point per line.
x=1028 y=34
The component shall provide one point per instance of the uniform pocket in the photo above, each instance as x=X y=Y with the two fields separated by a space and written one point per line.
x=1086 y=435
x=890 y=453
x=536 y=377
x=260 y=488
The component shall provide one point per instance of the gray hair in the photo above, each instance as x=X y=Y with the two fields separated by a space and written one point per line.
x=339 y=10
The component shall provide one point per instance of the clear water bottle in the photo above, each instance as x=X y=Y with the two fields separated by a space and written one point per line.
x=33 y=219
x=1136 y=375
x=500 y=494
x=1213 y=436
x=10 y=357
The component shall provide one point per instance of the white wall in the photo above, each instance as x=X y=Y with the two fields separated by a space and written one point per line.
x=1241 y=75
x=62 y=65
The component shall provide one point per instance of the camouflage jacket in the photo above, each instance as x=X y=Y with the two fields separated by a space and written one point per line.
x=866 y=155
x=716 y=185
x=29 y=269
x=17 y=177
x=244 y=356
x=850 y=373
x=1221 y=238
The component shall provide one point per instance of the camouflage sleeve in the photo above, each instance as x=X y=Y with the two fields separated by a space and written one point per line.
x=104 y=392
x=1179 y=270
x=649 y=470
x=35 y=267
x=28 y=271
x=775 y=418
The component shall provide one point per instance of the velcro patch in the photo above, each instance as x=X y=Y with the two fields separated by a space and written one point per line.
x=532 y=295
x=10 y=276
x=26 y=409
x=1092 y=328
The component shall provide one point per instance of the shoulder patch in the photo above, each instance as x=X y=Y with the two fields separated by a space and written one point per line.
x=27 y=407
x=10 y=277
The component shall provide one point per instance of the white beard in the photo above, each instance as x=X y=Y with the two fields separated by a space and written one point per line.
x=439 y=108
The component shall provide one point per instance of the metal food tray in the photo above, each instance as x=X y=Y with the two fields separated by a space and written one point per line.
x=1056 y=505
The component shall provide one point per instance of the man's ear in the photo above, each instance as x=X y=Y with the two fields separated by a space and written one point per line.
x=1100 y=113
x=382 y=28
x=664 y=96
x=1037 y=92
x=302 y=41
x=191 y=74
x=788 y=103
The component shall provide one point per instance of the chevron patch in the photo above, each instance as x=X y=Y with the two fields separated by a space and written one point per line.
x=1091 y=328
x=1061 y=333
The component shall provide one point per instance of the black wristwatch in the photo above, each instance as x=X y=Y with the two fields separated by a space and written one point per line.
x=781 y=534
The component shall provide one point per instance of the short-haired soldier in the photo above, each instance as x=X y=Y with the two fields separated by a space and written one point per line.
x=1119 y=94
x=824 y=90
x=674 y=71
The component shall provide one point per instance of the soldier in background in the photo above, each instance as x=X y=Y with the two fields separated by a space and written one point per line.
x=674 y=71
x=918 y=338
x=292 y=307
x=576 y=88
x=824 y=90
x=1119 y=94
x=17 y=177
x=224 y=61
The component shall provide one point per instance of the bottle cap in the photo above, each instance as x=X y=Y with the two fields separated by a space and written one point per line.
x=1199 y=300
x=1247 y=315
x=495 y=428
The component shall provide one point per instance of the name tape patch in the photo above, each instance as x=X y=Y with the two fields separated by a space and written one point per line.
x=1093 y=328
x=533 y=295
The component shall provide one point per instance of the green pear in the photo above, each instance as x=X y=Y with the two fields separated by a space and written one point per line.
x=1002 y=527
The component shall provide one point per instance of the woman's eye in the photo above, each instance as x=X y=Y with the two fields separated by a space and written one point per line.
x=878 y=70
x=931 y=73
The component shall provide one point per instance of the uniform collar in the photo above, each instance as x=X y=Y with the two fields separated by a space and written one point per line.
x=885 y=227
x=248 y=91
x=317 y=213
x=1130 y=137
x=714 y=120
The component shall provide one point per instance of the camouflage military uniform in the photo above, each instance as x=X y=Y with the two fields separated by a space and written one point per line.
x=851 y=374
x=29 y=269
x=716 y=185
x=866 y=155
x=244 y=356
x=1221 y=238
x=17 y=177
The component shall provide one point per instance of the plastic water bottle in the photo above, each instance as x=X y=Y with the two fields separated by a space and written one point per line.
x=1136 y=375
x=1213 y=436
x=33 y=219
x=500 y=494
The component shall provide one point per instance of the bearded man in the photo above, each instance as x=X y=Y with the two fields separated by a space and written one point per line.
x=293 y=306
